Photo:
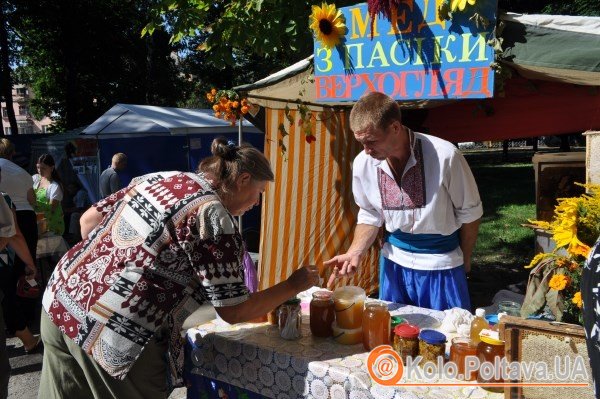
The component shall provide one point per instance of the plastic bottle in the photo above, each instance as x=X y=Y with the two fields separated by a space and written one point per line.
x=479 y=323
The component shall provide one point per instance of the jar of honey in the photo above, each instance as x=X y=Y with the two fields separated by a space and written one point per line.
x=349 y=302
x=322 y=314
x=460 y=349
x=406 y=341
x=489 y=349
x=432 y=344
x=376 y=325
x=346 y=336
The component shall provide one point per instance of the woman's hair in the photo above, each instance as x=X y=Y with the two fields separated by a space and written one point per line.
x=229 y=161
x=7 y=149
x=47 y=160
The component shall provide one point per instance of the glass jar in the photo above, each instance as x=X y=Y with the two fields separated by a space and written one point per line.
x=290 y=319
x=394 y=321
x=460 y=349
x=432 y=344
x=273 y=316
x=488 y=350
x=349 y=304
x=406 y=341
x=376 y=325
x=322 y=314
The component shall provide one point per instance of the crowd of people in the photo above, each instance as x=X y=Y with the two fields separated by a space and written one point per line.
x=153 y=252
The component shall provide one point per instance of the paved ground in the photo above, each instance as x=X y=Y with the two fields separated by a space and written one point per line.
x=25 y=377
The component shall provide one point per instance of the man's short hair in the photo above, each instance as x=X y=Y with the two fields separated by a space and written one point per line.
x=374 y=110
x=119 y=158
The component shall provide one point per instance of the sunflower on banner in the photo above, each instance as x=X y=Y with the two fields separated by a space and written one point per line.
x=328 y=25
x=555 y=278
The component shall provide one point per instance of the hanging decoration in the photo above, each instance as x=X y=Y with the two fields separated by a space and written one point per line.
x=328 y=25
x=227 y=104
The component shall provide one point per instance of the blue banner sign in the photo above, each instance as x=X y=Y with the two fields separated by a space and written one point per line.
x=414 y=57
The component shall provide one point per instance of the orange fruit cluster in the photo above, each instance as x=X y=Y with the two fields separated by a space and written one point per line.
x=227 y=105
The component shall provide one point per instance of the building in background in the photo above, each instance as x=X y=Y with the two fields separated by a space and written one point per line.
x=27 y=124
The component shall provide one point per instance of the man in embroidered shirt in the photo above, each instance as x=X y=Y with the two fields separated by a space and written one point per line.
x=421 y=188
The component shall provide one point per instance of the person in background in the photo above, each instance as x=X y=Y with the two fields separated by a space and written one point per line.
x=421 y=189
x=49 y=194
x=17 y=184
x=590 y=295
x=152 y=253
x=12 y=242
x=109 y=179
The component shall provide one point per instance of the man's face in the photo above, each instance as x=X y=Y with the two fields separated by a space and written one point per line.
x=379 y=143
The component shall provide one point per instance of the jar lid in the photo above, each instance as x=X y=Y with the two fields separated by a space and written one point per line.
x=322 y=294
x=406 y=331
x=292 y=301
x=396 y=320
x=432 y=337
x=490 y=340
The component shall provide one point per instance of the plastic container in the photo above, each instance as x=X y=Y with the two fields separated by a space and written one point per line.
x=290 y=319
x=322 y=314
x=510 y=308
x=394 y=322
x=460 y=349
x=349 y=304
x=479 y=323
x=406 y=341
x=347 y=336
x=490 y=348
x=432 y=344
x=376 y=324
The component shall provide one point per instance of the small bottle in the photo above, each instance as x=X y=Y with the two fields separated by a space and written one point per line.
x=479 y=323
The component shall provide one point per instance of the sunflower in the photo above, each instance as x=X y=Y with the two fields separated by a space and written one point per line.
x=577 y=300
x=328 y=24
x=460 y=4
x=559 y=282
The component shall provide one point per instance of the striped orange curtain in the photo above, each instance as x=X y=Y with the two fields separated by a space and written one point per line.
x=308 y=213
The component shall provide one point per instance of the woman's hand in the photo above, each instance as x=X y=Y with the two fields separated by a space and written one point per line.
x=304 y=278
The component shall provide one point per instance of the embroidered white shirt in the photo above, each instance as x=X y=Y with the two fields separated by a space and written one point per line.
x=438 y=195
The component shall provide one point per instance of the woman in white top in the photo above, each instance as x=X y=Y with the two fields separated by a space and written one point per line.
x=18 y=184
x=49 y=194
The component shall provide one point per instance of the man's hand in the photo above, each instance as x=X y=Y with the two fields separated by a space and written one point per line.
x=343 y=265
x=304 y=278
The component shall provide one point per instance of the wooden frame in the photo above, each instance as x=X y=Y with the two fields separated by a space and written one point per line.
x=567 y=338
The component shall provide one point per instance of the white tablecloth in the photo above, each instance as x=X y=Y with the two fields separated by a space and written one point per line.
x=51 y=245
x=254 y=357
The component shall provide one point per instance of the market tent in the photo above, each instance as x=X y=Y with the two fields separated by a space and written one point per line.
x=310 y=196
x=162 y=138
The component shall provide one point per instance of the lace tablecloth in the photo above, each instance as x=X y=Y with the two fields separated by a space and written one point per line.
x=254 y=357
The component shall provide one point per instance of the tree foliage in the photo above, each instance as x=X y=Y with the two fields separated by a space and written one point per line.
x=83 y=57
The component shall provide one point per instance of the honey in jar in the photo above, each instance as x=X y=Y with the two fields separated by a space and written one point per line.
x=432 y=345
x=490 y=348
x=460 y=349
x=346 y=336
x=322 y=314
x=376 y=325
x=406 y=341
x=349 y=303
x=395 y=321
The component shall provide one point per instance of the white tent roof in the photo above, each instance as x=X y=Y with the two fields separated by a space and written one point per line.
x=127 y=119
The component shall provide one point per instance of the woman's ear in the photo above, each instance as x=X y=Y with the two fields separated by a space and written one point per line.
x=244 y=179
